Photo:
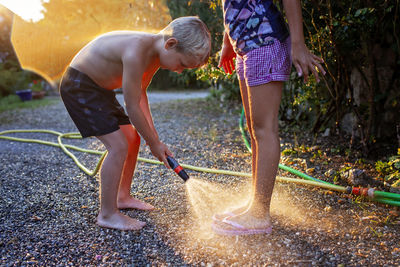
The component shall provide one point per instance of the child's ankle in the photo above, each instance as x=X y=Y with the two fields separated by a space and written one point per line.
x=107 y=214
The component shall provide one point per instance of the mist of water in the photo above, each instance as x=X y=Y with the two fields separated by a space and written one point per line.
x=208 y=198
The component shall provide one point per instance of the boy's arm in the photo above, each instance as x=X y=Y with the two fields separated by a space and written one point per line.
x=303 y=60
x=144 y=102
x=132 y=79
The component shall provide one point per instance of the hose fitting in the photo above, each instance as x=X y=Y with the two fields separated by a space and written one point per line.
x=361 y=191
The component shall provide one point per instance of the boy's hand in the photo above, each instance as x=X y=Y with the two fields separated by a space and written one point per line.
x=305 y=61
x=161 y=151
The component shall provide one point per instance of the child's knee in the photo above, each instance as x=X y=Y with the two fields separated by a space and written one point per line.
x=265 y=131
x=119 y=148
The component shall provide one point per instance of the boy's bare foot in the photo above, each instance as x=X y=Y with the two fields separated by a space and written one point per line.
x=119 y=221
x=133 y=203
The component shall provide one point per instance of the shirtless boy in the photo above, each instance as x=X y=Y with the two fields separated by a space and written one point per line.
x=129 y=60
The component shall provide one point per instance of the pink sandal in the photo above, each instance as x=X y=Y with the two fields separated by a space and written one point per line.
x=227 y=227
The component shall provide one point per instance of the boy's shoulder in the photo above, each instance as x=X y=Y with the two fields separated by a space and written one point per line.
x=130 y=40
x=123 y=42
x=123 y=35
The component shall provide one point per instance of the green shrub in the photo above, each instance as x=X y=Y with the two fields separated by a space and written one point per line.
x=225 y=87
x=390 y=170
x=211 y=14
x=12 y=78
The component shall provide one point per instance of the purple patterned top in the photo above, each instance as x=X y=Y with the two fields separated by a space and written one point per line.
x=253 y=23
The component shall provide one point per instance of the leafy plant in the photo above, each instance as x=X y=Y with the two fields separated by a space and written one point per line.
x=12 y=78
x=289 y=152
x=211 y=13
x=224 y=86
x=36 y=86
x=360 y=45
x=389 y=170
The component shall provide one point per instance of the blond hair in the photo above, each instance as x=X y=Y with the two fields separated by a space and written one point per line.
x=192 y=35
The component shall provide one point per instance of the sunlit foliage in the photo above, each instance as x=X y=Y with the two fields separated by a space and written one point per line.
x=48 y=45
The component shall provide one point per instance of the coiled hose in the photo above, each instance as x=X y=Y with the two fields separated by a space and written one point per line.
x=383 y=197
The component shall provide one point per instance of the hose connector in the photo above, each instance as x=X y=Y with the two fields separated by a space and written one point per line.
x=361 y=191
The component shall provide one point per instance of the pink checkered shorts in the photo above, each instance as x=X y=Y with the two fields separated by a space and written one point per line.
x=265 y=64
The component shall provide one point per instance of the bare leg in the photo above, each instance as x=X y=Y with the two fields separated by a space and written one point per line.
x=244 y=92
x=110 y=176
x=125 y=200
x=264 y=101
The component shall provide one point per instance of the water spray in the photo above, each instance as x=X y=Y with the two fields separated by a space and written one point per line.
x=177 y=168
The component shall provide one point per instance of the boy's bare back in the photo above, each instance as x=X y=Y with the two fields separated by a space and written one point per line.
x=105 y=58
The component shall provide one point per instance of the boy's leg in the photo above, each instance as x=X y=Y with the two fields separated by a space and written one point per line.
x=125 y=200
x=264 y=101
x=110 y=176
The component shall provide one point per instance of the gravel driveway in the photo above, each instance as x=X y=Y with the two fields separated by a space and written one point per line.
x=48 y=206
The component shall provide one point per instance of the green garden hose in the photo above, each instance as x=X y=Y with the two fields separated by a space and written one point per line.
x=379 y=196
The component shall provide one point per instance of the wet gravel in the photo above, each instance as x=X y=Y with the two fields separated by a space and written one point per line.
x=48 y=205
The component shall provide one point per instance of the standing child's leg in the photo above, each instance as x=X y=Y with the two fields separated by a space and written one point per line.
x=264 y=110
x=110 y=177
x=244 y=92
x=264 y=101
x=125 y=200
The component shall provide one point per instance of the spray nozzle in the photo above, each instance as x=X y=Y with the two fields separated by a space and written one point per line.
x=177 y=168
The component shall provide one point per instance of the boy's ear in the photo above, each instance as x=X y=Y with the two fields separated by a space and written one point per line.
x=171 y=43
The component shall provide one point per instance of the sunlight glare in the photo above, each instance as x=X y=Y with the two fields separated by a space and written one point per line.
x=67 y=26
x=29 y=10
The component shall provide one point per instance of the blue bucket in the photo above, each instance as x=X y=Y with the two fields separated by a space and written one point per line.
x=24 y=95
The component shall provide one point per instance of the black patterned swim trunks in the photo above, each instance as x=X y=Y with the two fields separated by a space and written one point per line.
x=94 y=110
